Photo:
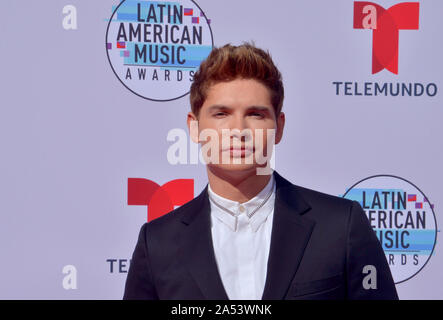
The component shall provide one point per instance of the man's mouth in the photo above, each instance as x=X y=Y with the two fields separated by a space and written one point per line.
x=240 y=151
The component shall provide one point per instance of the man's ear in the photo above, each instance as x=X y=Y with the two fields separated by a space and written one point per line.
x=280 y=127
x=192 y=122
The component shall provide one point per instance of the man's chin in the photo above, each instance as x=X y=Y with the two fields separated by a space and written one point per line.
x=239 y=168
x=233 y=167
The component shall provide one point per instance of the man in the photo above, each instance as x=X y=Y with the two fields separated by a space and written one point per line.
x=252 y=234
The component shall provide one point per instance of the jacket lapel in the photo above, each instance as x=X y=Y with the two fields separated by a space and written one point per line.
x=199 y=250
x=290 y=235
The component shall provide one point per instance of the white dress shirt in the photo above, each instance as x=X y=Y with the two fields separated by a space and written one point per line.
x=241 y=244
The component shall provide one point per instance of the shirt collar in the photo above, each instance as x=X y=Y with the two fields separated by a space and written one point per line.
x=246 y=208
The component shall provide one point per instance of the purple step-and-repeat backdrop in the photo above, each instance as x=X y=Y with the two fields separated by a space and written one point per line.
x=94 y=142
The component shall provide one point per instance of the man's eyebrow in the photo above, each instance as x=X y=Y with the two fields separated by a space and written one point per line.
x=218 y=107
x=223 y=107
x=258 y=108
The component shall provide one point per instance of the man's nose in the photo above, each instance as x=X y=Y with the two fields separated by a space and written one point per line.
x=240 y=128
x=238 y=122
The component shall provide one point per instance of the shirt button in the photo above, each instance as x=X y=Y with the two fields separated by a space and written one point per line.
x=241 y=208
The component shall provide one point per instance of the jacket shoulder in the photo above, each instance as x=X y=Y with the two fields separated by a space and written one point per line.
x=327 y=209
x=314 y=198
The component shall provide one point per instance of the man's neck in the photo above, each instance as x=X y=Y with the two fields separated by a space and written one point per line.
x=238 y=186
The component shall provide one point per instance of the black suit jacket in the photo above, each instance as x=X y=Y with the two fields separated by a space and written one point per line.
x=319 y=247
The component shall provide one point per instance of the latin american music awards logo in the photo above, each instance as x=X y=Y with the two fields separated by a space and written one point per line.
x=403 y=219
x=155 y=47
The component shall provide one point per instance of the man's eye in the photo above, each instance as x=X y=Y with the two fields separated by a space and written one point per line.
x=218 y=114
x=256 y=114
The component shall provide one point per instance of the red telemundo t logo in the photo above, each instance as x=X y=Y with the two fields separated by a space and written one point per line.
x=160 y=199
x=385 y=25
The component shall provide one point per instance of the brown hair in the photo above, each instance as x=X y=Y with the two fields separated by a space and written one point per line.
x=231 y=62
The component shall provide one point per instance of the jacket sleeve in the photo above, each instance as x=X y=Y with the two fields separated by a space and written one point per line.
x=139 y=282
x=364 y=256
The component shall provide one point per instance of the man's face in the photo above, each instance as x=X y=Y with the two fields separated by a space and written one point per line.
x=244 y=105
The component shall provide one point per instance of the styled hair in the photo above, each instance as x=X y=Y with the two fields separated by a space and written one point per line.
x=230 y=62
